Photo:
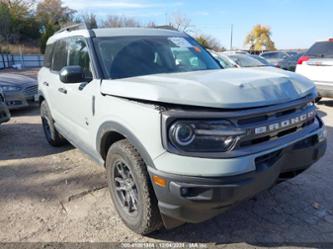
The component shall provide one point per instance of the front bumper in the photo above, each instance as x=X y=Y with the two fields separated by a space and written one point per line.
x=195 y=199
x=4 y=113
x=18 y=100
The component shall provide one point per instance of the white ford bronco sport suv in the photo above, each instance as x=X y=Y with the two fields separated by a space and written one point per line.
x=181 y=139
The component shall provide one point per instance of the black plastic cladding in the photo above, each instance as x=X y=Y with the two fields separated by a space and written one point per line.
x=170 y=116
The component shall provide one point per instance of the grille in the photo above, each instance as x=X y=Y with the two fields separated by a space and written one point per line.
x=31 y=91
x=275 y=118
x=273 y=115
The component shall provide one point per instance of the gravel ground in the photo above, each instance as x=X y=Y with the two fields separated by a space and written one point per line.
x=58 y=195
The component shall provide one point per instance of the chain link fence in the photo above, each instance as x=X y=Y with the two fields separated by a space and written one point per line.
x=20 y=61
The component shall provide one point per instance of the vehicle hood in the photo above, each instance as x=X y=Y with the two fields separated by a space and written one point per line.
x=15 y=79
x=231 y=88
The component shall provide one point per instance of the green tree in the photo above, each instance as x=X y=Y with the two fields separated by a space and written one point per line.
x=48 y=32
x=52 y=15
x=17 y=21
x=5 y=22
x=260 y=38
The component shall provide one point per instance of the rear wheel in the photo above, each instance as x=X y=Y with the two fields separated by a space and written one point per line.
x=131 y=189
x=51 y=134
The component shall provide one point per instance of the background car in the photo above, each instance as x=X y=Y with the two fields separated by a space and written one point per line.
x=280 y=59
x=262 y=60
x=19 y=91
x=4 y=112
x=230 y=52
x=292 y=53
x=224 y=61
x=317 y=65
x=243 y=60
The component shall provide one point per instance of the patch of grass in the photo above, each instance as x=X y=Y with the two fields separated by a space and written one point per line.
x=17 y=48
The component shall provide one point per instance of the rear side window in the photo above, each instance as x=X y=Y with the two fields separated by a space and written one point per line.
x=60 y=55
x=48 y=56
x=321 y=50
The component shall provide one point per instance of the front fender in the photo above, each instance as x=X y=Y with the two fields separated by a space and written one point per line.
x=112 y=126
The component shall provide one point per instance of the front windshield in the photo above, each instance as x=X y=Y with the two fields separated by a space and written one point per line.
x=131 y=56
x=246 y=61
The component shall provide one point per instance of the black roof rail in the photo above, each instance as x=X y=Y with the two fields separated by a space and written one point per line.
x=73 y=27
x=168 y=27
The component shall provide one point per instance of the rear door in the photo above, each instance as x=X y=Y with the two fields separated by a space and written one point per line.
x=319 y=66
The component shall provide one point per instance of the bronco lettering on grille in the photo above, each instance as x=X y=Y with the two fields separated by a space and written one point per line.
x=285 y=123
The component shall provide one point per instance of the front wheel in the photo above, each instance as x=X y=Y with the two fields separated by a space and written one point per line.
x=131 y=189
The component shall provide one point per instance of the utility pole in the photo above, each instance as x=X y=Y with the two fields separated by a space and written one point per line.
x=231 y=35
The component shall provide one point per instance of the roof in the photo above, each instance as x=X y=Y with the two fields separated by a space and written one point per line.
x=113 y=32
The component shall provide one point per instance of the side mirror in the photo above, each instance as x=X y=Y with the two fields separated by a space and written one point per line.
x=71 y=74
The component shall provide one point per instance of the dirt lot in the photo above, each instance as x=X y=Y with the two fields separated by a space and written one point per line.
x=49 y=194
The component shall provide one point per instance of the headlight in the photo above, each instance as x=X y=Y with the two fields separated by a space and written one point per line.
x=10 y=88
x=204 y=135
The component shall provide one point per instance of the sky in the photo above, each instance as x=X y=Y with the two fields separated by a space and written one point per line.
x=294 y=23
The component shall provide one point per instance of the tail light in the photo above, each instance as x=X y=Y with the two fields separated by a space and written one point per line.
x=330 y=40
x=303 y=59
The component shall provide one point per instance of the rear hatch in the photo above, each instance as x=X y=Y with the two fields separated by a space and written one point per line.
x=317 y=64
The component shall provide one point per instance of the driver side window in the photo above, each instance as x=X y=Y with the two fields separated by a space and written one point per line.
x=78 y=55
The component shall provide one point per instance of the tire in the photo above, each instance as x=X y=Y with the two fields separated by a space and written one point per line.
x=52 y=136
x=146 y=218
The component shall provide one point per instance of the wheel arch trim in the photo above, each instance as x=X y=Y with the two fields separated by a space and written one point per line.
x=110 y=126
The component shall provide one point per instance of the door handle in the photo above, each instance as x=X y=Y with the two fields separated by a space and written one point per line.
x=62 y=90
x=45 y=83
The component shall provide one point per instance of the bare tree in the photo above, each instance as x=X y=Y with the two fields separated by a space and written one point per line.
x=151 y=24
x=89 y=20
x=181 y=22
x=120 y=21
x=210 y=42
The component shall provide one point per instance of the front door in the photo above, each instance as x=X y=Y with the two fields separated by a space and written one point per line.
x=77 y=98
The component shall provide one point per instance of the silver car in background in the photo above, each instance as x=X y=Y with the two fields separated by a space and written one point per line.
x=243 y=60
x=4 y=112
x=223 y=59
x=19 y=91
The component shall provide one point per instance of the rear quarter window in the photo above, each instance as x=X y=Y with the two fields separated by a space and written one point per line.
x=48 y=56
x=59 y=55
x=321 y=50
